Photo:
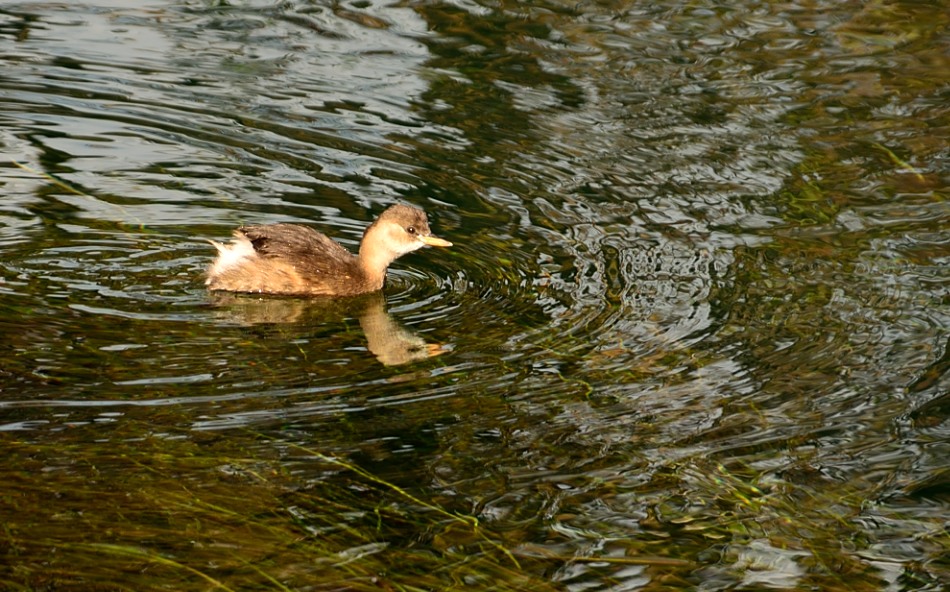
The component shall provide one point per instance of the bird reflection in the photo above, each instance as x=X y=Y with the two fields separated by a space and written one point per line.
x=390 y=342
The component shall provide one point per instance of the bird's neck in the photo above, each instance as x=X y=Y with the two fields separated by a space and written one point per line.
x=374 y=258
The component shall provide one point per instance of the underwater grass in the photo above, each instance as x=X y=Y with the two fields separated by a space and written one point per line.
x=161 y=513
x=174 y=519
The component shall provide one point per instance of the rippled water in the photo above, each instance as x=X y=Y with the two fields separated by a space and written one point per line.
x=693 y=332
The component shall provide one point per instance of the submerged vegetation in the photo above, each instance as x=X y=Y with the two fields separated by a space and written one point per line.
x=174 y=514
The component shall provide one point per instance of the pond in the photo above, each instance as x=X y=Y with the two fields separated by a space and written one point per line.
x=693 y=332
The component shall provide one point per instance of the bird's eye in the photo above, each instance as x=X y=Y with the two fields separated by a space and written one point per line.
x=411 y=230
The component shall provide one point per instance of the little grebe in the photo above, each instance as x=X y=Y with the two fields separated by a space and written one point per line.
x=297 y=260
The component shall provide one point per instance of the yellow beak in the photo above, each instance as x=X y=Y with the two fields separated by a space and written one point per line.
x=434 y=241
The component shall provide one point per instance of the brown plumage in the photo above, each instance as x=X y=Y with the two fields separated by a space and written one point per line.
x=297 y=260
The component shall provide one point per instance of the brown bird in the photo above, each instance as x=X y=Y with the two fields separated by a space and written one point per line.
x=297 y=260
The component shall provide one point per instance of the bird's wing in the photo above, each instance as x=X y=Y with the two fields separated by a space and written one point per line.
x=292 y=241
x=315 y=256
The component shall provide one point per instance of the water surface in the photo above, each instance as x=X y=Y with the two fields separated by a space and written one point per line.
x=693 y=333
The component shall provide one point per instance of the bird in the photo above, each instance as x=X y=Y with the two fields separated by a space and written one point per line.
x=295 y=260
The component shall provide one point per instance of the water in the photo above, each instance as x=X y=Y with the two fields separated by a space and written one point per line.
x=693 y=332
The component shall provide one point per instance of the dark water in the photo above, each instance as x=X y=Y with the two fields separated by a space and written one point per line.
x=693 y=333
